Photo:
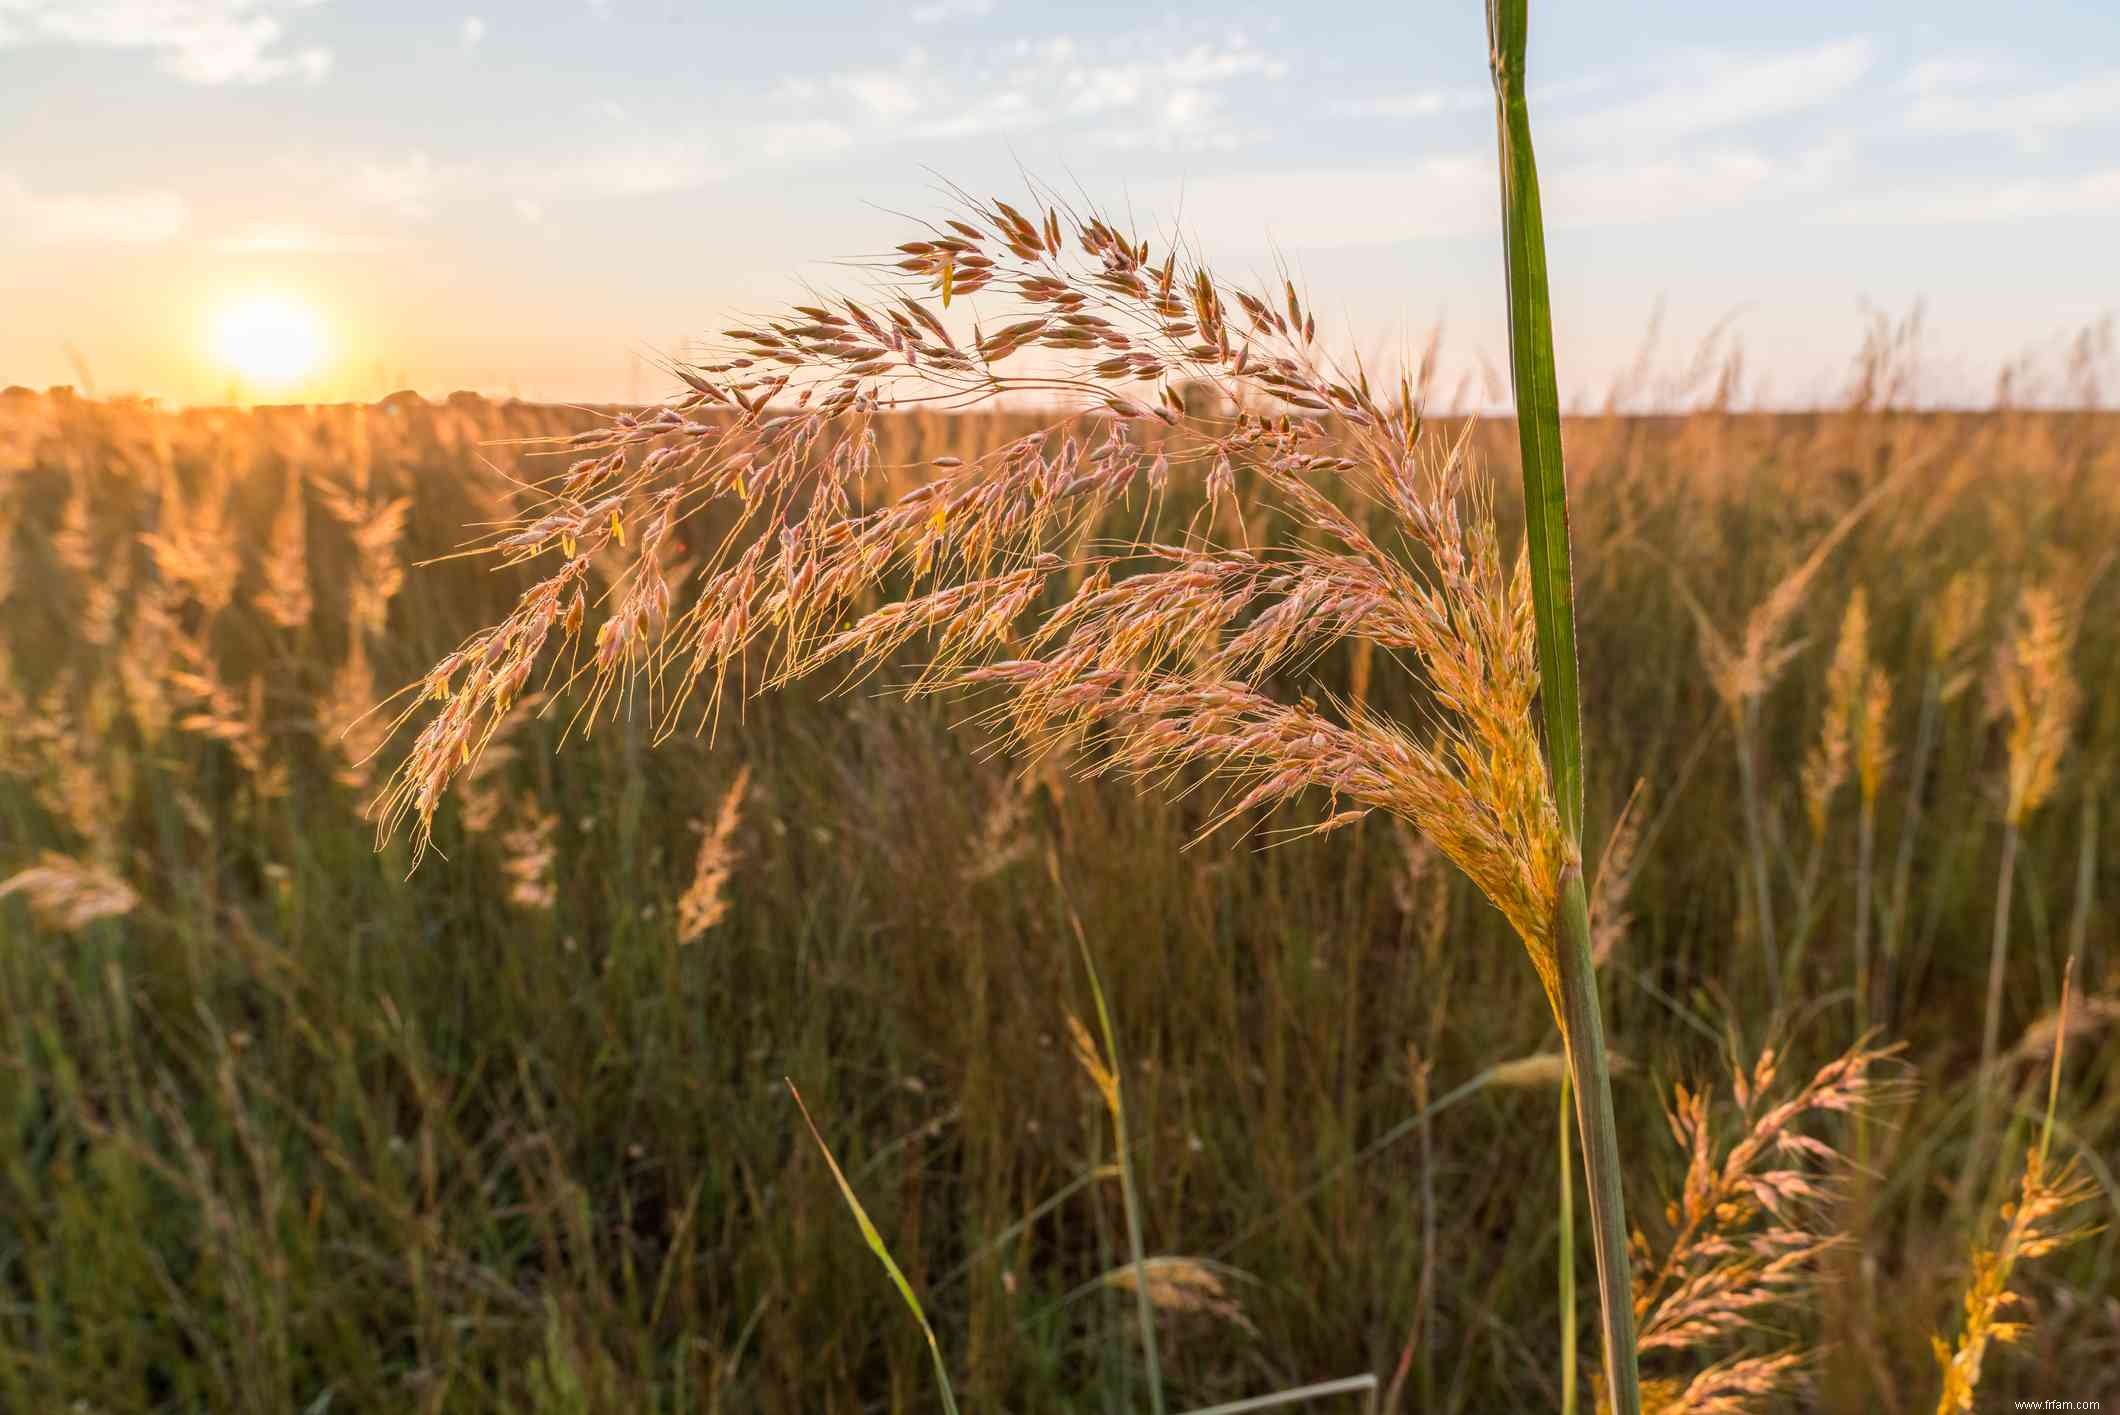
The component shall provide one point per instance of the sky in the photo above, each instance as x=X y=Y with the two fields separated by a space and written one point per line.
x=543 y=199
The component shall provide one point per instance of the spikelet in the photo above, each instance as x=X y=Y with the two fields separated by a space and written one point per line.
x=1001 y=842
x=105 y=603
x=17 y=755
x=194 y=546
x=1873 y=736
x=345 y=724
x=73 y=542
x=63 y=764
x=2043 y=1218
x=2039 y=694
x=705 y=901
x=67 y=895
x=1954 y=631
x=286 y=599
x=1826 y=768
x=375 y=528
x=1091 y=1059
x=1749 y=1227
x=527 y=857
x=482 y=798
x=1181 y=1286
x=1743 y=672
x=143 y=666
x=1609 y=918
x=1541 y=1068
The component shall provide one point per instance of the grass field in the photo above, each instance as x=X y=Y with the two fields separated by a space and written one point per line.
x=292 y=1125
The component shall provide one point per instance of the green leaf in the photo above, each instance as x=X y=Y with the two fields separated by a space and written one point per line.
x=1538 y=415
x=883 y=1254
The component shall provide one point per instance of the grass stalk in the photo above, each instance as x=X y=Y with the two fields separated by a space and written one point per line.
x=1909 y=830
x=1567 y=1251
x=1756 y=842
x=1538 y=417
x=1585 y=1037
x=2079 y=924
x=1865 y=862
x=877 y=1246
x=1145 y=1310
x=1991 y=1018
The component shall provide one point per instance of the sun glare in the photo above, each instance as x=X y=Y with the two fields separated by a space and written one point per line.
x=269 y=339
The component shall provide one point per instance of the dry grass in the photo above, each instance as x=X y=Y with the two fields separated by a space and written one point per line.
x=399 y=1137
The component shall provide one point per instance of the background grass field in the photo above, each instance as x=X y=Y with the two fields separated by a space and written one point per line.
x=298 y=1130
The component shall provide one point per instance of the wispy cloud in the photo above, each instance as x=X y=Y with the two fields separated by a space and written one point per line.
x=1713 y=90
x=936 y=12
x=1964 y=100
x=1948 y=71
x=144 y=216
x=1127 y=90
x=472 y=31
x=406 y=185
x=629 y=167
x=787 y=142
x=1423 y=103
x=1453 y=195
x=199 y=41
x=2092 y=193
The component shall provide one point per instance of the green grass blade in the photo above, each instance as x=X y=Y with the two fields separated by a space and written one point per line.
x=1538 y=414
x=1144 y=1308
x=1538 y=417
x=883 y=1253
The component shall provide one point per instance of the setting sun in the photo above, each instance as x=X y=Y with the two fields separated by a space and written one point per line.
x=269 y=339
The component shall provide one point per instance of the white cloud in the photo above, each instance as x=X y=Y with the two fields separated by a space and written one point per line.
x=631 y=168
x=142 y=216
x=784 y=142
x=1950 y=71
x=1469 y=98
x=1424 y=104
x=473 y=30
x=936 y=12
x=531 y=213
x=1944 y=108
x=881 y=94
x=406 y=185
x=199 y=41
x=2093 y=193
x=1453 y=196
x=1128 y=91
x=1715 y=90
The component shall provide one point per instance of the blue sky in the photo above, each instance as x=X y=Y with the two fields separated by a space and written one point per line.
x=534 y=198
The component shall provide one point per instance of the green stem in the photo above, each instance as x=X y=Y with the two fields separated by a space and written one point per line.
x=1909 y=828
x=1991 y=1021
x=1567 y=1252
x=1865 y=857
x=2079 y=926
x=1130 y=1200
x=1584 y=1035
x=1538 y=420
x=1756 y=835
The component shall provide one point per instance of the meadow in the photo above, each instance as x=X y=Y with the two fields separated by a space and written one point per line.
x=292 y=1124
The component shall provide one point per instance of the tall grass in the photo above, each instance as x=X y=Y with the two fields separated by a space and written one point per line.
x=287 y=1121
